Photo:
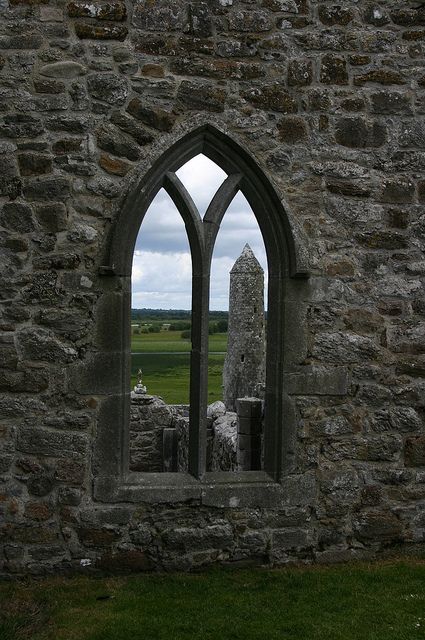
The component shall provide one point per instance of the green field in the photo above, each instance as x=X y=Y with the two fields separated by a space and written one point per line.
x=165 y=361
x=385 y=601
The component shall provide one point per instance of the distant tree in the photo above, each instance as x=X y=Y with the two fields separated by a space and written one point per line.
x=154 y=329
x=222 y=326
x=185 y=334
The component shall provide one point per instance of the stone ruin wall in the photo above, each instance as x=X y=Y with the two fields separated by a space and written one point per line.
x=329 y=99
x=152 y=420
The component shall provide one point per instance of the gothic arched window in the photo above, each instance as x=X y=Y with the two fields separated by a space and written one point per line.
x=113 y=481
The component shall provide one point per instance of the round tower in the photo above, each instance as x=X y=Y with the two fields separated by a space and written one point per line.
x=244 y=366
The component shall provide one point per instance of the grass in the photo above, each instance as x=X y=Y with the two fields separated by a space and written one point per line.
x=171 y=341
x=165 y=361
x=385 y=601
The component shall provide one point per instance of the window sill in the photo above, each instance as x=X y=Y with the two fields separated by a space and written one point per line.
x=224 y=490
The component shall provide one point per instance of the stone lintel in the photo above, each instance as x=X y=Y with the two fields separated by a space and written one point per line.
x=321 y=381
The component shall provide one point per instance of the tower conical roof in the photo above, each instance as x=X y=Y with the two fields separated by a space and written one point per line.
x=247 y=262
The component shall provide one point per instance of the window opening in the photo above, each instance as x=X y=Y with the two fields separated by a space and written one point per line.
x=160 y=339
x=201 y=177
x=286 y=262
x=237 y=285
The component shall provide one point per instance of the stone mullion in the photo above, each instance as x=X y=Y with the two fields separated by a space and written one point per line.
x=199 y=372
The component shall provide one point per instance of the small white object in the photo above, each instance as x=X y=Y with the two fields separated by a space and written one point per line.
x=85 y=562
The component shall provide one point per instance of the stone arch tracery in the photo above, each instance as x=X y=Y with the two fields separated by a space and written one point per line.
x=283 y=263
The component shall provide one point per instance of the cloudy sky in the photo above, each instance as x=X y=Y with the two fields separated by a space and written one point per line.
x=162 y=269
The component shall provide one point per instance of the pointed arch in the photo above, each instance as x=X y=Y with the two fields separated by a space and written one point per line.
x=284 y=264
x=271 y=215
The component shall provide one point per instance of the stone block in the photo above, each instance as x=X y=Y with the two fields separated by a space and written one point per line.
x=378 y=526
x=201 y=96
x=249 y=20
x=335 y=15
x=36 y=344
x=37 y=440
x=391 y=102
x=111 y=140
x=52 y=216
x=414 y=451
x=54 y=188
x=299 y=490
x=107 y=87
x=64 y=69
x=300 y=73
x=102 y=31
x=398 y=190
x=358 y=133
x=210 y=537
x=19 y=125
x=272 y=97
x=152 y=116
x=333 y=70
x=127 y=124
x=32 y=164
x=161 y=17
x=317 y=381
x=114 y=11
x=17 y=216
x=292 y=130
x=405 y=339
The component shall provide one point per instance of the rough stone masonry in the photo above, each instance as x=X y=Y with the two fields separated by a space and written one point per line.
x=329 y=99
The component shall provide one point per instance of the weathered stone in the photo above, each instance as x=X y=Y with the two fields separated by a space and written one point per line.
x=38 y=344
x=218 y=69
x=347 y=156
x=398 y=190
x=114 y=166
x=414 y=451
x=63 y=69
x=20 y=125
x=32 y=164
x=335 y=14
x=68 y=124
x=406 y=339
x=109 y=11
x=272 y=97
x=141 y=135
x=378 y=526
x=202 y=96
x=17 y=216
x=379 y=76
x=412 y=134
x=300 y=73
x=391 y=102
x=108 y=88
x=333 y=70
x=164 y=17
x=110 y=139
x=152 y=116
x=407 y=16
x=101 y=32
x=47 y=189
x=383 y=240
x=292 y=130
x=358 y=133
x=344 y=347
x=376 y=15
x=249 y=20
x=49 y=86
x=52 y=216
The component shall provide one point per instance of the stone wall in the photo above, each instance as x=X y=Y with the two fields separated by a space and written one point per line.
x=328 y=98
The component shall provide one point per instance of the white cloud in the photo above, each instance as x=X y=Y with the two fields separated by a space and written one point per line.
x=161 y=275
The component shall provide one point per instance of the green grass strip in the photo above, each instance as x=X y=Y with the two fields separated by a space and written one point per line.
x=385 y=601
